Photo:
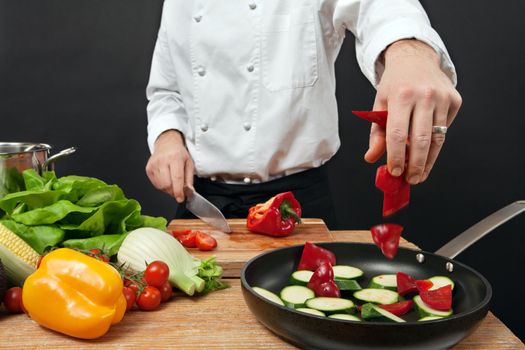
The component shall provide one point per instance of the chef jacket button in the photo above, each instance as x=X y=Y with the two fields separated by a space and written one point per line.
x=213 y=178
x=247 y=126
x=204 y=127
x=250 y=68
x=201 y=71
x=197 y=18
x=253 y=6
x=247 y=180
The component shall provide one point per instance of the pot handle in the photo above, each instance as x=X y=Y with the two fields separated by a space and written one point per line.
x=479 y=230
x=63 y=153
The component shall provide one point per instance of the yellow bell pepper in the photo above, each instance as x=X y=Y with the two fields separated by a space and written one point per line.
x=74 y=294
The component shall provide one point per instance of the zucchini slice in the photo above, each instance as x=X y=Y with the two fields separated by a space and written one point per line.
x=346 y=272
x=371 y=311
x=440 y=281
x=425 y=310
x=331 y=305
x=301 y=277
x=384 y=282
x=296 y=296
x=351 y=285
x=311 y=311
x=377 y=296
x=430 y=318
x=345 y=317
x=268 y=295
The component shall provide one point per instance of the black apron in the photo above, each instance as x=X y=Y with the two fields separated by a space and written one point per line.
x=310 y=187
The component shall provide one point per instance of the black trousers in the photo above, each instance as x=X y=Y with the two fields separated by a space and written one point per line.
x=310 y=187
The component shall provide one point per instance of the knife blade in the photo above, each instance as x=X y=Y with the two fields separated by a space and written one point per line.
x=204 y=210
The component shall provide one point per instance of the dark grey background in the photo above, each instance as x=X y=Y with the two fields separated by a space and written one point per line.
x=73 y=73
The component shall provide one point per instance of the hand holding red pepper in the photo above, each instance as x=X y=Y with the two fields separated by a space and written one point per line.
x=276 y=217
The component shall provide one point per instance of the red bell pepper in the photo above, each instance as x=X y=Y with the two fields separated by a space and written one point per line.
x=276 y=217
x=439 y=299
x=405 y=283
x=398 y=309
x=396 y=191
x=378 y=117
x=313 y=256
x=322 y=282
x=386 y=237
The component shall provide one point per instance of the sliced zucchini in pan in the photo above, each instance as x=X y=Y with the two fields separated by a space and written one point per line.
x=377 y=296
x=370 y=311
x=347 y=284
x=331 y=305
x=425 y=310
x=301 y=277
x=268 y=295
x=346 y=272
x=384 y=282
x=440 y=281
x=430 y=318
x=311 y=311
x=296 y=296
x=345 y=317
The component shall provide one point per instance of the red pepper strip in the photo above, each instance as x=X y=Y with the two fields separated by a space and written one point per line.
x=398 y=309
x=423 y=285
x=378 y=117
x=439 y=299
x=396 y=191
x=313 y=256
x=322 y=282
x=276 y=217
x=386 y=237
x=405 y=283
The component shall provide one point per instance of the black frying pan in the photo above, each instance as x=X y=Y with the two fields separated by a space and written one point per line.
x=471 y=296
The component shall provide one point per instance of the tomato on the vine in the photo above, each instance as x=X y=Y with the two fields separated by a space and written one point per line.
x=149 y=299
x=134 y=288
x=13 y=300
x=165 y=291
x=157 y=273
x=130 y=296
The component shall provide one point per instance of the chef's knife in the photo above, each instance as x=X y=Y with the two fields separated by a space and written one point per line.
x=204 y=210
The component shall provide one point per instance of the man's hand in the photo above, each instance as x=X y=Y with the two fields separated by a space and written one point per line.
x=170 y=167
x=417 y=95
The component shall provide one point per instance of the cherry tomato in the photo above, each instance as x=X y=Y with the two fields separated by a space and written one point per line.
x=134 y=288
x=178 y=233
x=188 y=240
x=165 y=292
x=204 y=241
x=130 y=295
x=157 y=273
x=13 y=300
x=149 y=299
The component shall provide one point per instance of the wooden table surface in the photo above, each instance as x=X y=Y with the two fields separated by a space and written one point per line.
x=219 y=320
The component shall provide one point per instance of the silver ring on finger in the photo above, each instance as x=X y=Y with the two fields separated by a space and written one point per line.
x=439 y=130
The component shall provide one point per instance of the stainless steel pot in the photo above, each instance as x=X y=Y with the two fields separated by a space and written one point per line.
x=16 y=157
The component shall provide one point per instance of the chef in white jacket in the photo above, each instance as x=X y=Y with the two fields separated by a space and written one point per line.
x=242 y=96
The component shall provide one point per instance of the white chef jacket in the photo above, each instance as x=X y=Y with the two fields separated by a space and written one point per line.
x=251 y=83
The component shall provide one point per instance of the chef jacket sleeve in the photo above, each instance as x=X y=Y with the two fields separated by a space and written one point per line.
x=378 y=23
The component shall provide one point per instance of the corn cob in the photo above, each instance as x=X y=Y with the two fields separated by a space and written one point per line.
x=18 y=258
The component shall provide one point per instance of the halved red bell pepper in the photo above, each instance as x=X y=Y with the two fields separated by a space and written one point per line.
x=313 y=256
x=396 y=191
x=276 y=217
x=322 y=282
x=386 y=237
x=398 y=309
x=439 y=299
x=405 y=283
x=378 y=117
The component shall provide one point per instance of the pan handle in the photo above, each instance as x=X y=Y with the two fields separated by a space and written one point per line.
x=479 y=230
x=63 y=153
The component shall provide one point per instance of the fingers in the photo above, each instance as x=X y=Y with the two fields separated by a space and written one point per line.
x=400 y=110
x=189 y=171
x=177 y=179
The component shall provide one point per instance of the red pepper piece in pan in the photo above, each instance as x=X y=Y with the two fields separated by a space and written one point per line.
x=386 y=237
x=439 y=299
x=395 y=189
x=405 y=283
x=313 y=256
x=322 y=282
x=276 y=217
x=378 y=117
x=398 y=309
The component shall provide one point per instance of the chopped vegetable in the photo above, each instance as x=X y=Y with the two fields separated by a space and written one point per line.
x=398 y=309
x=405 y=283
x=396 y=191
x=276 y=217
x=301 y=277
x=378 y=117
x=187 y=273
x=439 y=299
x=440 y=281
x=343 y=284
x=322 y=282
x=345 y=317
x=386 y=237
x=331 y=305
x=296 y=296
x=347 y=272
x=371 y=311
x=205 y=242
x=377 y=296
x=311 y=311
x=188 y=240
x=74 y=294
x=313 y=256
x=384 y=281
x=425 y=310
x=268 y=295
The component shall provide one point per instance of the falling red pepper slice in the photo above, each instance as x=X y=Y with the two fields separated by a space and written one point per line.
x=405 y=283
x=398 y=309
x=386 y=237
x=395 y=189
x=313 y=256
x=439 y=299
x=378 y=117
x=276 y=217
x=322 y=281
